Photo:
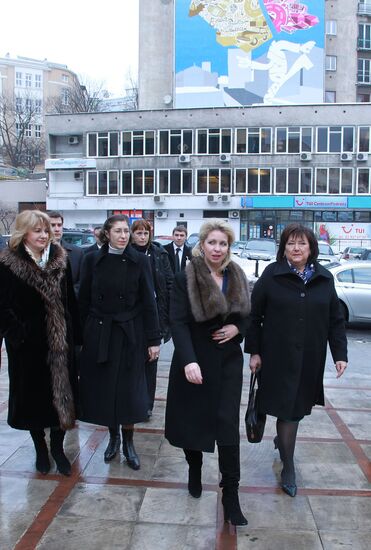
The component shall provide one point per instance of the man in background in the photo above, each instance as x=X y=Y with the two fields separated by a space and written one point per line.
x=179 y=252
x=97 y=245
x=75 y=254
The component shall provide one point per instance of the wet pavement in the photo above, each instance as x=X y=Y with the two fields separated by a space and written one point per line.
x=109 y=506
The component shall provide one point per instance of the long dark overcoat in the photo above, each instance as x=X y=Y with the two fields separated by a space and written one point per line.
x=291 y=324
x=120 y=322
x=197 y=416
x=40 y=323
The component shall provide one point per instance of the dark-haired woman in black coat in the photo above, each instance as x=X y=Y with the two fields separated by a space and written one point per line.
x=294 y=314
x=121 y=332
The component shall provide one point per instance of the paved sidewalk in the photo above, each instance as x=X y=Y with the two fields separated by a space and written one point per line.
x=109 y=506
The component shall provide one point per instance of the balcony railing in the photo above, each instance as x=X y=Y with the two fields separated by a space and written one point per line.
x=364 y=8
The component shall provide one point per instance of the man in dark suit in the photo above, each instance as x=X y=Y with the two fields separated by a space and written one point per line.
x=75 y=254
x=97 y=244
x=179 y=253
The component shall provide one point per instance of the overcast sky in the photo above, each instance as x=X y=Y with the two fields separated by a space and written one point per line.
x=95 y=39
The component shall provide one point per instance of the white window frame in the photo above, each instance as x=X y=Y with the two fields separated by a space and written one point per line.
x=28 y=80
x=173 y=133
x=99 y=137
x=221 y=172
x=260 y=170
x=19 y=104
x=364 y=42
x=331 y=132
x=108 y=173
x=301 y=172
x=330 y=63
x=28 y=130
x=18 y=79
x=342 y=171
x=169 y=171
x=140 y=135
x=364 y=73
x=143 y=193
x=360 y=149
x=38 y=106
x=65 y=78
x=251 y=131
x=368 y=190
x=290 y=132
x=214 y=133
x=65 y=96
x=37 y=130
x=38 y=81
x=331 y=27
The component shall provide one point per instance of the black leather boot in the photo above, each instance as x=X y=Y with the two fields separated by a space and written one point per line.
x=229 y=465
x=128 y=448
x=113 y=446
x=194 y=459
x=57 y=452
x=42 y=454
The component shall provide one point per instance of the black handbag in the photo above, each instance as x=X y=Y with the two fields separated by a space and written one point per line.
x=254 y=421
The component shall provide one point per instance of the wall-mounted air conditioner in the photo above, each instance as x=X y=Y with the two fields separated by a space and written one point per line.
x=159 y=199
x=161 y=214
x=305 y=156
x=77 y=176
x=346 y=157
x=362 y=157
x=184 y=158
x=226 y=198
x=211 y=198
x=73 y=140
x=234 y=214
x=225 y=157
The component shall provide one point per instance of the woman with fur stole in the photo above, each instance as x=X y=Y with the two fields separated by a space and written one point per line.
x=40 y=323
x=209 y=306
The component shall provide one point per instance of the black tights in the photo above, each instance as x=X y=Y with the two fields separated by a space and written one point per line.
x=286 y=432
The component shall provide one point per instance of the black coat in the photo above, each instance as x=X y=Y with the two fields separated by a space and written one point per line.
x=199 y=415
x=40 y=324
x=120 y=321
x=291 y=324
x=187 y=256
x=75 y=256
x=162 y=280
x=93 y=248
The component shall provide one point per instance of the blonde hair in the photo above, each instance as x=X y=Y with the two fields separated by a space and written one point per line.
x=27 y=221
x=215 y=224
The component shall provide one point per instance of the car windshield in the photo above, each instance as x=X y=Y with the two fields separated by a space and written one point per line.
x=267 y=246
x=325 y=248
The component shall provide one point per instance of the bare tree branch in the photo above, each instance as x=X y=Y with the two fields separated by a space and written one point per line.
x=84 y=96
x=7 y=217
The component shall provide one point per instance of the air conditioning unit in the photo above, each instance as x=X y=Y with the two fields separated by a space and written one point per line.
x=346 y=157
x=77 y=175
x=225 y=157
x=161 y=214
x=305 y=156
x=226 y=198
x=211 y=198
x=73 y=140
x=234 y=214
x=362 y=157
x=159 y=198
x=184 y=158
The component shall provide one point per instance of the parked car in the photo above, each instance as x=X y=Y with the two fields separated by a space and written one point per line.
x=352 y=253
x=259 y=249
x=353 y=286
x=82 y=239
x=163 y=239
x=326 y=254
x=192 y=240
x=366 y=254
x=237 y=247
x=4 y=239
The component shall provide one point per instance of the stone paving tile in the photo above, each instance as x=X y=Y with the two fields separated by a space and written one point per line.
x=86 y=533
x=12 y=527
x=175 y=506
x=170 y=537
x=342 y=513
x=359 y=423
x=269 y=539
x=345 y=540
x=349 y=398
x=176 y=469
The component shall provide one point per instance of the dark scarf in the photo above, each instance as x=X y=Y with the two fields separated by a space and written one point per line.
x=207 y=300
x=47 y=282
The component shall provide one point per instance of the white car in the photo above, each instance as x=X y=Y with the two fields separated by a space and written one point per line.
x=326 y=254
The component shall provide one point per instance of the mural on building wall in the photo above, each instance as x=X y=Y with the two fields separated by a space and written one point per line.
x=243 y=52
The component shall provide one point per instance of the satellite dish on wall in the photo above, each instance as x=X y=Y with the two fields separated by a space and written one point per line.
x=167 y=99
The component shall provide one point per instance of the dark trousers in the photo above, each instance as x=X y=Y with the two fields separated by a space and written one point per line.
x=151 y=375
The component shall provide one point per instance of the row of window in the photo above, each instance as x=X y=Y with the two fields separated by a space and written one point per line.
x=280 y=181
x=29 y=105
x=363 y=68
x=209 y=141
x=364 y=33
x=28 y=130
x=28 y=80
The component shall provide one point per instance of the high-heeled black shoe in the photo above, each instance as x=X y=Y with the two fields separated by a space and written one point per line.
x=231 y=506
x=194 y=481
x=128 y=449
x=289 y=488
x=113 y=446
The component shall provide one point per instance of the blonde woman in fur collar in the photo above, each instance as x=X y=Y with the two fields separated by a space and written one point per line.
x=40 y=323
x=208 y=317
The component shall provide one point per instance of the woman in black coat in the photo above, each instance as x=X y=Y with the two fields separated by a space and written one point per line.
x=209 y=306
x=294 y=313
x=40 y=324
x=121 y=332
x=163 y=276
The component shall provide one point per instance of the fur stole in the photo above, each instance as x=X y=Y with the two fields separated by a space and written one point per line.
x=207 y=300
x=47 y=282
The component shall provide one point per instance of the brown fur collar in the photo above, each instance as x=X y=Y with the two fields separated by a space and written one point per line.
x=47 y=282
x=207 y=300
